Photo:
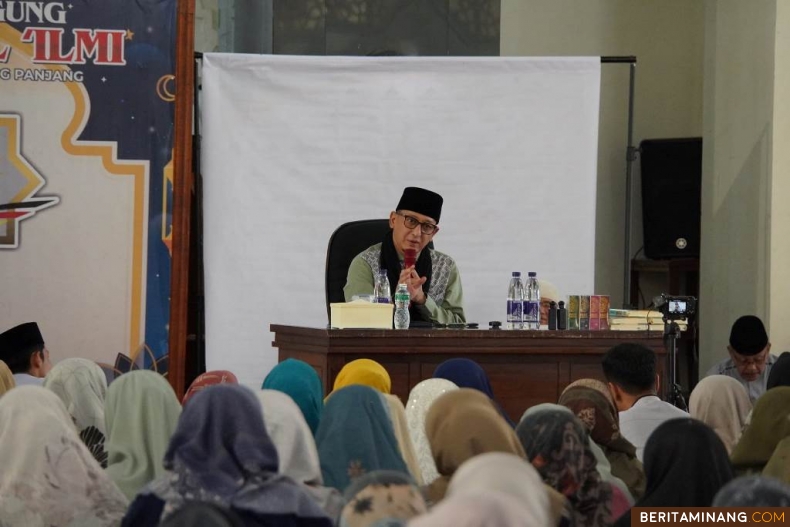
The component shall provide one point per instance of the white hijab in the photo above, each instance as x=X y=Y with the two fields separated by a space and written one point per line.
x=506 y=474
x=296 y=450
x=421 y=398
x=48 y=477
x=723 y=404
x=82 y=386
x=485 y=509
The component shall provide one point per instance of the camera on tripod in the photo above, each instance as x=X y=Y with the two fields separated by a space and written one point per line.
x=675 y=307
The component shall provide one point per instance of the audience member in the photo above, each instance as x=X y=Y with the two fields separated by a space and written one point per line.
x=466 y=373
x=297 y=453
x=141 y=414
x=750 y=359
x=382 y=496
x=510 y=475
x=221 y=454
x=723 y=404
x=6 y=378
x=301 y=382
x=397 y=414
x=770 y=424
x=210 y=378
x=356 y=437
x=753 y=491
x=22 y=349
x=48 y=477
x=462 y=424
x=481 y=509
x=421 y=398
x=365 y=372
x=555 y=442
x=780 y=372
x=630 y=370
x=82 y=386
x=591 y=402
x=686 y=465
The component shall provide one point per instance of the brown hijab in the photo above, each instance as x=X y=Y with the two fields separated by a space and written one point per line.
x=769 y=426
x=590 y=401
x=461 y=424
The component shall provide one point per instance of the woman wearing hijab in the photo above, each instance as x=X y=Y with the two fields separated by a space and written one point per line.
x=753 y=491
x=48 y=476
x=484 y=509
x=590 y=401
x=508 y=474
x=365 y=372
x=221 y=454
x=381 y=496
x=297 y=453
x=210 y=378
x=141 y=414
x=301 y=382
x=421 y=398
x=780 y=372
x=723 y=404
x=6 y=378
x=462 y=424
x=466 y=373
x=686 y=465
x=356 y=437
x=397 y=414
x=82 y=386
x=770 y=424
x=556 y=444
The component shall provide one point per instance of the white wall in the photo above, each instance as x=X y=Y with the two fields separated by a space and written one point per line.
x=666 y=36
x=736 y=182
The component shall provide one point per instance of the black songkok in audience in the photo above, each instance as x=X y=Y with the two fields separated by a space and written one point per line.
x=748 y=336
x=18 y=340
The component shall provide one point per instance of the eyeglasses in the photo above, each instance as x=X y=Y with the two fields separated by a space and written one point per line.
x=411 y=222
x=754 y=360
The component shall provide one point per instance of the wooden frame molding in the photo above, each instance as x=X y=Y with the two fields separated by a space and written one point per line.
x=183 y=186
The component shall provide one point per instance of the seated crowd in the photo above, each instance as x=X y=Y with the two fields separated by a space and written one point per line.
x=76 y=451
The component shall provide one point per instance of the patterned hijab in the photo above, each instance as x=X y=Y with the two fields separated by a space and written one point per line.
x=723 y=404
x=296 y=450
x=769 y=425
x=421 y=398
x=82 y=386
x=356 y=437
x=141 y=415
x=6 y=378
x=506 y=473
x=686 y=465
x=557 y=446
x=222 y=454
x=753 y=491
x=299 y=380
x=460 y=425
x=466 y=373
x=365 y=372
x=210 y=378
x=48 y=476
x=381 y=495
x=590 y=401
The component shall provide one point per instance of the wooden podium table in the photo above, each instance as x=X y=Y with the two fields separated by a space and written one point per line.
x=525 y=367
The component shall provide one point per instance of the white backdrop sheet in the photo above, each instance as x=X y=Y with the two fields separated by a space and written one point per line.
x=295 y=146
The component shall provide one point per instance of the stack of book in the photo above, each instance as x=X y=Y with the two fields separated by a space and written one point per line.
x=639 y=320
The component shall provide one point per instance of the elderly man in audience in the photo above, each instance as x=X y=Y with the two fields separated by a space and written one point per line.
x=22 y=349
x=630 y=370
x=750 y=359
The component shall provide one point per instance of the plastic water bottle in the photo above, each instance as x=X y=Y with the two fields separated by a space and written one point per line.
x=381 y=289
x=532 y=302
x=402 y=317
x=515 y=301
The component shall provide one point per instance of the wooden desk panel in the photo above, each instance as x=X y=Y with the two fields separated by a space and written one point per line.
x=525 y=367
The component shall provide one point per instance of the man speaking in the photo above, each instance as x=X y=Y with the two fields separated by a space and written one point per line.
x=433 y=280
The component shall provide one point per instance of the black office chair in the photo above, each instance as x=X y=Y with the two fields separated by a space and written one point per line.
x=346 y=242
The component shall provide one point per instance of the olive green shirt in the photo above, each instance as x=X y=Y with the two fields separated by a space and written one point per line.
x=444 y=299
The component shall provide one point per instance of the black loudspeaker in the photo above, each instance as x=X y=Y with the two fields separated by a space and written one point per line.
x=671 y=194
